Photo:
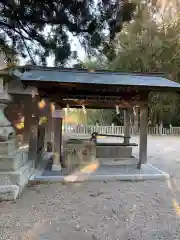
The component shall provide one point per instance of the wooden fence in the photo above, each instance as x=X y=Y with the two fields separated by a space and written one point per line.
x=88 y=129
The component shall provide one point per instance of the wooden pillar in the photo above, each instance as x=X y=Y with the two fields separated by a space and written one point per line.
x=136 y=119
x=57 y=126
x=33 y=135
x=127 y=126
x=28 y=111
x=49 y=122
x=143 y=134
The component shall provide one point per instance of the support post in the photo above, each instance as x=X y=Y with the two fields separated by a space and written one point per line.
x=49 y=122
x=127 y=126
x=57 y=126
x=143 y=134
x=27 y=112
x=136 y=119
x=160 y=128
x=33 y=134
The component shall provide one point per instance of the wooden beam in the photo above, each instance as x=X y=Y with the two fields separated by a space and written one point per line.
x=96 y=87
x=92 y=99
x=94 y=103
x=97 y=105
x=86 y=93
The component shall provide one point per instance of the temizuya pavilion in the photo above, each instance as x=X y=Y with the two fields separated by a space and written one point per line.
x=73 y=87
x=97 y=89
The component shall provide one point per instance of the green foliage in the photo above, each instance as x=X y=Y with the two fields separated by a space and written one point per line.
x=75 y=116
x=92 y=63
x=39 y=29
x=151 y=44
x=10 y=56
x=100 y=116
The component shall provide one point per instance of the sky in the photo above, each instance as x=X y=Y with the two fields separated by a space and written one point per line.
x=75 y=46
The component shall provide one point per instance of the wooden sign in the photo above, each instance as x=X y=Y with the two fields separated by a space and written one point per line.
x=58 y=114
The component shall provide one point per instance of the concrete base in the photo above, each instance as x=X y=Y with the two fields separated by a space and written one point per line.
x=113 y=151
x=107 y=173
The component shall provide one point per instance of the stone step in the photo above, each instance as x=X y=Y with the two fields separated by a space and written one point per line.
x=10 y=163
x=8 y=147
x=9 y=192
x=118 y=161
x=18 y=177
x=13 y=182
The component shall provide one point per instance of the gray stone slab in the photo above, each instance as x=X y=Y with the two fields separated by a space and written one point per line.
x=124 y=173
x=118 y=161
x=54 y=173
x=117 y=170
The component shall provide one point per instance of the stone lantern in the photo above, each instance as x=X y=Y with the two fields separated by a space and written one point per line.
x=15 y=168
x=6 y=130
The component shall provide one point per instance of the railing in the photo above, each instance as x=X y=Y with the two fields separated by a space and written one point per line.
x=117 y=130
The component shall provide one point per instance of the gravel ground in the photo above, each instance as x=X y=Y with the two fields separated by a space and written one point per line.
x=101 y=210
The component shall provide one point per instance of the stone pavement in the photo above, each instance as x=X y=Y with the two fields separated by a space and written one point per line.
x=146 y=210
x=163 y=152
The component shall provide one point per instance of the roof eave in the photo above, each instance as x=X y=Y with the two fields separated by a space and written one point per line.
x=33 y=67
